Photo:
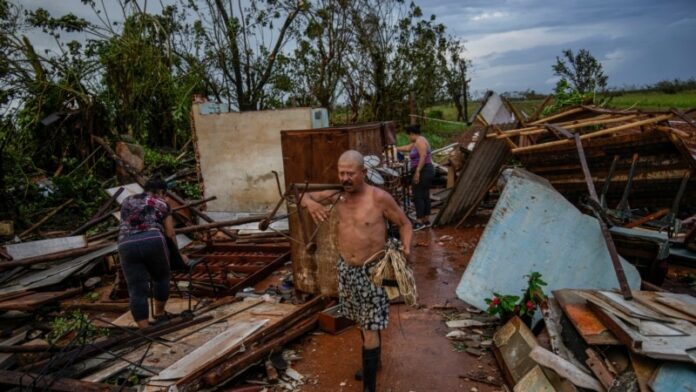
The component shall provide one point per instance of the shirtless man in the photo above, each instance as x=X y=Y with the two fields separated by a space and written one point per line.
x=362 y=232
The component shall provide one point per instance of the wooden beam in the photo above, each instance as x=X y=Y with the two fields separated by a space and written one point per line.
x=604 y=132
x=597 y=120
x=655 y=215
x=557 y=116
x=564 y=369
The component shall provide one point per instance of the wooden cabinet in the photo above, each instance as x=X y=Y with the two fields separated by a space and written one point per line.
x=312 y=155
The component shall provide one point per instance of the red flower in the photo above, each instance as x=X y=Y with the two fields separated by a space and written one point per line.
x=530 y=305
x=495 y=301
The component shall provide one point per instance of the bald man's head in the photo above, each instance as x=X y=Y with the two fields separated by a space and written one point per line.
x=351 y=171
x=352 y=156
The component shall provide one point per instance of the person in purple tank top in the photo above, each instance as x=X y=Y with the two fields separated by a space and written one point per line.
x=422 y=173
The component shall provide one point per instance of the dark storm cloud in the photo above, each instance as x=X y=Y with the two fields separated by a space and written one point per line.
x=514 y=43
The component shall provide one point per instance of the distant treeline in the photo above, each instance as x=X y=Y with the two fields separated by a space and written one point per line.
x=666 y=86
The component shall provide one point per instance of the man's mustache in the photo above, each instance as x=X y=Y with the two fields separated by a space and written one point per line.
x=347 y=183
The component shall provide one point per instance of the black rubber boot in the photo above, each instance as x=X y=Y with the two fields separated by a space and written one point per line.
x=370 y=362
x=359 y=373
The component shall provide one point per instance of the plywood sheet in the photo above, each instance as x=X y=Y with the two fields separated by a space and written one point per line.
x=221 y=345
x=682 y=302
x=173 y=306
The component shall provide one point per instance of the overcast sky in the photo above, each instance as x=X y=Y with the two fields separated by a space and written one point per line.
x=513 y=43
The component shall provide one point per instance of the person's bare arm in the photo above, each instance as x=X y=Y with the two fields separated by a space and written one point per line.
x=169 y=228
x=396 y=216
x=314 y=202
x=171 y=234
x=405 y=147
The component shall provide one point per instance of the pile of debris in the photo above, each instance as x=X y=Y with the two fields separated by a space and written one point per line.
x=597 y=340
x=221 y=326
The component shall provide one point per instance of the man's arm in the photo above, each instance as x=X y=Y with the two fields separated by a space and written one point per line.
x=396 y=216
x=314 y=202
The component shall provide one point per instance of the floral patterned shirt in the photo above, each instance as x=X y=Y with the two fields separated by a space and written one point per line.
x=142 y=212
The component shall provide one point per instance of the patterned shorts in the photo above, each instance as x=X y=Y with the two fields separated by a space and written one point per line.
x=359 y=299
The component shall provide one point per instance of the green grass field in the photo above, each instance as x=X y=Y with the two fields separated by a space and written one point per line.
x=655 y=100
x=441 y=134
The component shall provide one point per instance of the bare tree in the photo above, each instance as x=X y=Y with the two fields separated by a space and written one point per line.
x=456 y=70
x=240 y=43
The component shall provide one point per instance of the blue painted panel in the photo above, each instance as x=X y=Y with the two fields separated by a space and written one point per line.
x=675 y=377
x=534 y=228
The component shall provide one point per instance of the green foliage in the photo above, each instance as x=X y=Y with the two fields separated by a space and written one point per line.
x=161 y=162
x=92 y=296
x=78 y=324
x=507 y=306
x=655 y=100
x=565 y=96
x=583 y=70
x=438 y=114
x=191 y=190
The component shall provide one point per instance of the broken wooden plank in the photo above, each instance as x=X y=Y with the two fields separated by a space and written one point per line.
x=173 y=306
x=592 y=330
x=51 y=383
x=512 y=344
x=682 y=302
x=675 y=347
x=25 y=250
x=222 y=345
x=465 y=323
x=33 y=301
x=604 y=132
x=647 y=218
x=8 y=359
x=543 y=380
x=552 y=315
x=559 y=132
x=642 y=326
x=599 y=368
x=565 y=369
x=649 y=299
x=644 y=368
x=632 y=308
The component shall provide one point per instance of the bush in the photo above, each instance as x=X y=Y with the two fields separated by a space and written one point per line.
x=438 y=114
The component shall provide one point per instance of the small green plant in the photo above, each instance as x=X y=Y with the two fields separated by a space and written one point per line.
x=459 y=347
x=157 y=161
x=190 y=189
x=78 y=324
x=92 y=296
x=507 y=306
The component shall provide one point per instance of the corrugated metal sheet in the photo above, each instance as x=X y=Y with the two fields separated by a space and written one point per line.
x=478 y=175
